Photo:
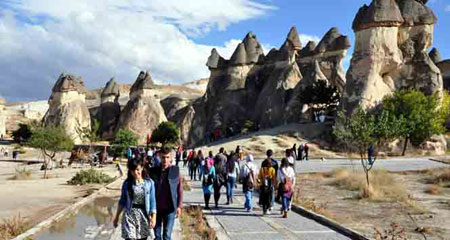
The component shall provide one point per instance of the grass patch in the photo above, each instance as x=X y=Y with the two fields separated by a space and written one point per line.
x=383 y=186
x=21 y=174
x=90 y=176
x=280 y=143
x=194 y=226
x=310 y=204
x=12 y=227
x=440 y=177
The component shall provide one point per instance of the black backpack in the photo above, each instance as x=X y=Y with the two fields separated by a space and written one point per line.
x=207 y=179
x=221 y=171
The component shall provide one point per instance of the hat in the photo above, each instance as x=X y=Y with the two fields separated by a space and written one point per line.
x=249 y=158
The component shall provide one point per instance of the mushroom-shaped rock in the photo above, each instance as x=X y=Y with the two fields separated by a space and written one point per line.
x=385 y=13
x=67 y=83
x=435 y=55
x=143 y=81
x=415 y=12
x=239 y=56
x=294 y=39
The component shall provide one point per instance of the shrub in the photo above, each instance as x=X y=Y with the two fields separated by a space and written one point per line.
x=12 y=227
x=90 y=176
x=21 y=174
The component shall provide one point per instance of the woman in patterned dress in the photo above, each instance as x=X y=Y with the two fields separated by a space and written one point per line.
x=138 y=201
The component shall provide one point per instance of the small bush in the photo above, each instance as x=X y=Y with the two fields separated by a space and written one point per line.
x=12 y=227
x=433 y=189
x=90 y=176
x=21 y=174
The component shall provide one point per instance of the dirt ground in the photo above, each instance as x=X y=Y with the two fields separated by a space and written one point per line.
x=36 y=198
x=432 y=221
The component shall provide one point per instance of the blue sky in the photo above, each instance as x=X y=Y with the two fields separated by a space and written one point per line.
x=172 y=39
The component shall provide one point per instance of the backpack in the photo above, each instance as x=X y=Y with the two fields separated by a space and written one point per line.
x=207 y=179
x=266 y=183
x=287 y=184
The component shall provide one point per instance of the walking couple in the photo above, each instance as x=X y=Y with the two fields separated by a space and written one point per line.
x=151 y=199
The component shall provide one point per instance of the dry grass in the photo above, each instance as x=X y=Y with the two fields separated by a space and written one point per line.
x=433 y=189
x=254 y=139
x=280 y=143
x=186 y=186
x=21 y=174
x=311 y=204
x=383 y=187
x=395 y=232
x=194 y=224
x=258 y=148
x=12 y=227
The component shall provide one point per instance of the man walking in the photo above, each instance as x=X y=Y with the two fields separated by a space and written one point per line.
x=220 y=161
x=169 y=195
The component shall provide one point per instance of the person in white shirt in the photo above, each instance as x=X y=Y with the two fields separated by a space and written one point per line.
x=286 y=176
x=248 y=175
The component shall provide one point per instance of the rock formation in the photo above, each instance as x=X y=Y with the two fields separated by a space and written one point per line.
x=253 y=87
x=143 y=113
x=109 y=109
x=391 y=44
x=2 y=117
x=67 y=106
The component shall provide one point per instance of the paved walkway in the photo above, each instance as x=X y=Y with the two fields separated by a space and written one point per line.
x=237 y=224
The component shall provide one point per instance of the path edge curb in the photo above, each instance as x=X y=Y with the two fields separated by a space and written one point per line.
x=329 y=223
x=60 y=215
x=439 y=161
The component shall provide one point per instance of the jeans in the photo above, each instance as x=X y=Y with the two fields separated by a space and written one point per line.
x=248 y=200
x=165 y=221
x=230 y=185
x=285 y=202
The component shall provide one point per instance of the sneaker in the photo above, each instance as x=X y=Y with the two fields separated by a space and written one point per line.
x=269 y=211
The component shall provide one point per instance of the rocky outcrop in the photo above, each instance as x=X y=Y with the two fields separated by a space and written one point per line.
x=143 y=113
x=328 y=54
x=109 y=109
x=435 y=56
x=2 y=117
x=172 y=104
x=67 y=107
x=391 y=44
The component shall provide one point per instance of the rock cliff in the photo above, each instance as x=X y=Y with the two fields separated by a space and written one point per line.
x=67 y=107
x=109 y=109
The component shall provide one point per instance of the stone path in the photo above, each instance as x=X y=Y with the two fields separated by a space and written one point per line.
x=237 y=224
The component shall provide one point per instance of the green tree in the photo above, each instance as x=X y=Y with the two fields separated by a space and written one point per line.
x=22 y=134
x=321 y=96
x=421 y=114
x=123 y=140
x=89 y=134
x=166 y=133
x=50 y=140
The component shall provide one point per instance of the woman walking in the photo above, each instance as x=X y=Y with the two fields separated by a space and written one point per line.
x=138 y=201
x=208 y=175
x=286 y=178
x=232 y=172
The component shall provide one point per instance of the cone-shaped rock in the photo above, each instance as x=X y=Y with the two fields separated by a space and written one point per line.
x=67 y=107
x=215 y=60
x=294 y=39
x=332 y=40
x=379 y=13
x=143 y=112
x=111 y=89
x=239 y=56
x=308 y=50
x=143 y=81
x=252 y=48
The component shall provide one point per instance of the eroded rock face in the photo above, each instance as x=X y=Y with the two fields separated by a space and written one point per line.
x=67 y=106
x=2 y=117
x=391 y=45
x=109 y=109
x=143 y=112
x=258 y=88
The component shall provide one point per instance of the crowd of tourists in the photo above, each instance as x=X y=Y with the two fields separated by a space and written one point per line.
x=274 y=181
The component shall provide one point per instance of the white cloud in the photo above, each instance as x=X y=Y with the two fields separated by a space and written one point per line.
x=104 y=38
x=305 y=38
